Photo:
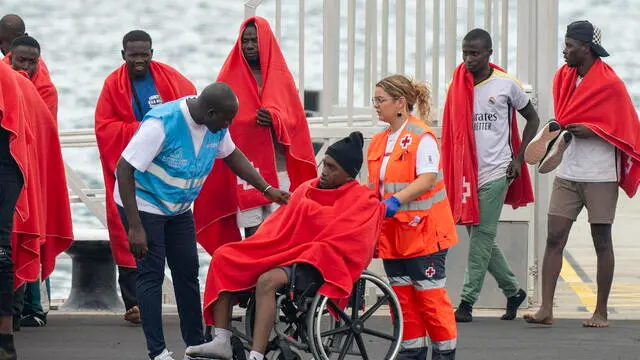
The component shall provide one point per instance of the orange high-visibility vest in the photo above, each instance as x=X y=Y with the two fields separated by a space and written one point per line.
x=422 y=226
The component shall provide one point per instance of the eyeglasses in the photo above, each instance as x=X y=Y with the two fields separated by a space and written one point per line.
x=380 y=100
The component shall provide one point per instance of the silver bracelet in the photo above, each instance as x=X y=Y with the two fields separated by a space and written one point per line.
x=266 y=189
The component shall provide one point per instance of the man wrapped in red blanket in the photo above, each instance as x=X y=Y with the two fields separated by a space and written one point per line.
x=129 y=92
x=16 y=202
x=329 y=228
x=596 y=150
x=41 y=99
x=55 y=217
x=271 y=130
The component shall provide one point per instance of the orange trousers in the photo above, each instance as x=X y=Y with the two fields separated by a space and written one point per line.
x=427 y=312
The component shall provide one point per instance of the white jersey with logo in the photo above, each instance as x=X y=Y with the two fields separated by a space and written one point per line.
x=493 y=102
x=589 y=160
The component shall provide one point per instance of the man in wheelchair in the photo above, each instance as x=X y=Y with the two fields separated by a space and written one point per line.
x=328 y=230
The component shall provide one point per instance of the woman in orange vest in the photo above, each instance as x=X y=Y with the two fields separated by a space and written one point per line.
x=404 y=169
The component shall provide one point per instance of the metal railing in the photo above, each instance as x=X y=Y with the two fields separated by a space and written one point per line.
x=379 y=30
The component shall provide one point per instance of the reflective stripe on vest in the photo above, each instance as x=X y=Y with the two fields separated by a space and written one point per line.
x=172 y=208
x=417 y=130
x=175 y=181
x=425 y=204
x=395 y=187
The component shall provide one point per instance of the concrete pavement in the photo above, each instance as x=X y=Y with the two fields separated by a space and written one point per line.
x=106 y=337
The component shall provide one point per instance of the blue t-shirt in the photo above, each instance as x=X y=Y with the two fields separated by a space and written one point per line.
x=147 y=94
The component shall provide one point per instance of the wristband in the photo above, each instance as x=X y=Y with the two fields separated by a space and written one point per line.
x=266 y=189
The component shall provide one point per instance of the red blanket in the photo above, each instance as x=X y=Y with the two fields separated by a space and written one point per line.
x=42 y=80
x=280 y=97
x=55 y=220
x=12 y=119
x=333 y=230
x=27 y=230
x=459 y=159
x=602 y=103
x=115 y=126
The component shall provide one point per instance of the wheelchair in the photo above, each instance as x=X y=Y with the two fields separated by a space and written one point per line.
x=310 y=323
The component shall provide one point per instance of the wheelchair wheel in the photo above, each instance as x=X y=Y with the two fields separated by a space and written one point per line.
x=336 y=333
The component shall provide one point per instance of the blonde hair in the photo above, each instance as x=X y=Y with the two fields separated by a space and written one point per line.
x=415 y=93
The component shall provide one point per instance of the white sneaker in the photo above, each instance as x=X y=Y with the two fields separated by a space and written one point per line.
x=165 y=355
x=218 y=348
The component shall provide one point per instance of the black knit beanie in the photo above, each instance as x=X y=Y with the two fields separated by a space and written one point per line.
x=348 y=153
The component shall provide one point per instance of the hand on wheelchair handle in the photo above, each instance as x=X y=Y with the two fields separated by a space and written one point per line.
x=392 y=206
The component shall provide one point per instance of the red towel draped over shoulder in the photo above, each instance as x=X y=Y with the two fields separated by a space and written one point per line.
x=115 y=124
x=459 y=158
x=603 y=104
x=27 y=230
x=334 y=230
x=55 y=220
x=218 y=202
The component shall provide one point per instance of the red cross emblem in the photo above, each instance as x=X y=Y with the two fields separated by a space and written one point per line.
x=430 y=272
x=406 y=141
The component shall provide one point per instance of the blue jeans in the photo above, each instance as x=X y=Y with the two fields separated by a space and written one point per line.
x=172 y=238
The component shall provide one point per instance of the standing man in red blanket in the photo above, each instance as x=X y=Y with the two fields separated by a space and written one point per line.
x=602 y=131
x=129 y=92
x=14 y=204
x=271 y=130
x=482 y=161
x=25 y=52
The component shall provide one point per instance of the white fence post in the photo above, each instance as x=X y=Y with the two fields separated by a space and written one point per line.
x=250 y=7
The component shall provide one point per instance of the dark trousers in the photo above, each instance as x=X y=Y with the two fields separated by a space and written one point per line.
x=127 y=282
x=10 y=185
x=28 y=301
x=33 y=301
x=170 y=238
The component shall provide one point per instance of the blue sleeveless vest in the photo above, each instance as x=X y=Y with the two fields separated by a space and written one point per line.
x=176 y=175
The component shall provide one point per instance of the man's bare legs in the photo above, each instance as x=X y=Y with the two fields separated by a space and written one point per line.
x=6 y=325
x=222 y=310
x=265 y=317
x=558 y=233
x=268 y=284
x=601 y=234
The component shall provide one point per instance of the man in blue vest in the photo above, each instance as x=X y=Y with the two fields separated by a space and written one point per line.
x=160 y=173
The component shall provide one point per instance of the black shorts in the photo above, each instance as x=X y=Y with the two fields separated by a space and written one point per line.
x=306 y=276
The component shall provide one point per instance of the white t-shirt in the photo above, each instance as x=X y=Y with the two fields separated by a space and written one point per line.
x=589 y=160
x=427 y=159
x=493 y=102
x=147 y=143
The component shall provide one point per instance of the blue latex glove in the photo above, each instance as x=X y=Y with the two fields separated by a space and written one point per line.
x=393 y=205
